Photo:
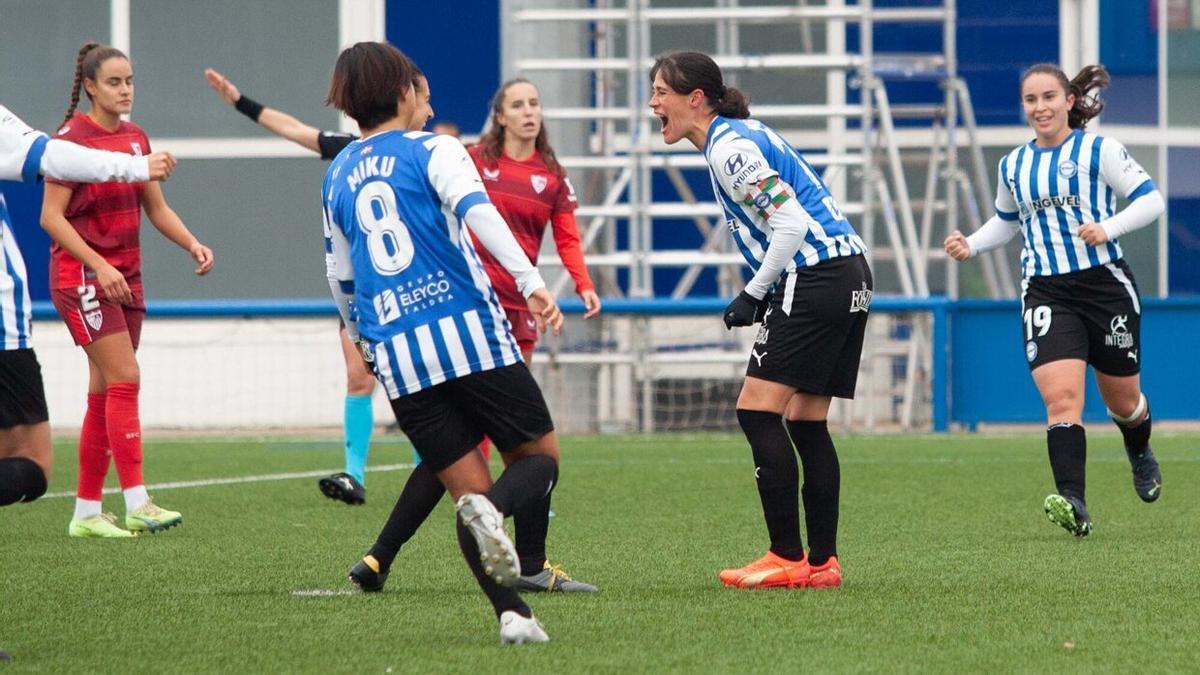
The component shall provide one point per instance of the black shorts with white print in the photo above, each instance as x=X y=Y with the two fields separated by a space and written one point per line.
x=1094 y=315
x=812 y=335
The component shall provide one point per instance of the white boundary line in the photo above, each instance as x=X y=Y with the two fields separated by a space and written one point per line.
x=234 y=480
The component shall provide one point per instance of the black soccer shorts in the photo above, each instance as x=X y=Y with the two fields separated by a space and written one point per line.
x=22 y=395
x=812 y=335
x=446 y=421
x=1094 y=315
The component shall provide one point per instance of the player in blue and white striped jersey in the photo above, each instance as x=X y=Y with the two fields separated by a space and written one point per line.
x=26 y=155
x=1080 y=303
x=411 y=288
x=795 y=238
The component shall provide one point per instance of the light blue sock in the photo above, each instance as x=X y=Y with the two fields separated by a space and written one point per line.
x=416 y=457
x=358 y=423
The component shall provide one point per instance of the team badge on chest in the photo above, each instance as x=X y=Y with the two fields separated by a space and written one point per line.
x=539 y=182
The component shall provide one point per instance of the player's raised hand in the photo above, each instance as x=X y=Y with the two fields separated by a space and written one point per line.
x=203 y=256
x=957 y=247
x=591 y=303
x=545 y=311
x=161 y=165
x=114 y=284
x=1092 y=234
x=222 y=86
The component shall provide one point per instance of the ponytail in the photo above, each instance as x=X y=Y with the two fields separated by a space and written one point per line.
x=734 y=104
x=1084 y=87
x=83 y=52
x=91 y=55
x=1087 y=105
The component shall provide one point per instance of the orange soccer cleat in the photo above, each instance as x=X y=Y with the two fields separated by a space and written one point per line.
x=769 y=571
x=828 y=575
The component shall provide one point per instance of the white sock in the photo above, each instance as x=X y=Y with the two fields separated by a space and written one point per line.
x=135 y=497
x=86 y=508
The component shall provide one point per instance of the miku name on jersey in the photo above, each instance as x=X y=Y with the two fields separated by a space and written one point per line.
x=370 y=167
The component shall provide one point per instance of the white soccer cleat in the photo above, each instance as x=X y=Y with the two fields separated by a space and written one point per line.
x=516 y=629
x=496 y=550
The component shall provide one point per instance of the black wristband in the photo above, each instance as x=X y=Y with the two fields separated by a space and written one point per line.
x=249 y=107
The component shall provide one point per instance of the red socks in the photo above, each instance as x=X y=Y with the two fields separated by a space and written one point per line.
x=125 y=432
x=93 y=450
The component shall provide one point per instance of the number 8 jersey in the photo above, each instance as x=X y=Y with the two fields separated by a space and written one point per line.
x=396 y=239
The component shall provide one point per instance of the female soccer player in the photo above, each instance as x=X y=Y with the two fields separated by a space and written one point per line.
x=530 y=189
x=407 y=279
x=811 y=290
x=26 y=154
x=95 y=280
x=1079 y=301
x=349 y=485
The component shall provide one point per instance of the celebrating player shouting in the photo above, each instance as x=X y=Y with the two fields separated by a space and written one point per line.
x=791 y=232
x=1079 y=301
x=409 y=284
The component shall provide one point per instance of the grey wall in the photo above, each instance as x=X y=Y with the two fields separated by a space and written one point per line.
x=260 y=216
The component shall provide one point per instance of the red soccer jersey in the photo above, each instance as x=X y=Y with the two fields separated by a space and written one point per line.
x=106 y=215
x=529 y=196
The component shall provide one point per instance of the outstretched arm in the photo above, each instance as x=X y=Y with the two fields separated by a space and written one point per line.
x=26 y=152
x=276 y=121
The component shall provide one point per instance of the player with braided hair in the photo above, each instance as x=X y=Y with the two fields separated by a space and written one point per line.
x=96 y=286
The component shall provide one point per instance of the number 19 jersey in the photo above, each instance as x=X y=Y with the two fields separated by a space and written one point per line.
x=395 y=234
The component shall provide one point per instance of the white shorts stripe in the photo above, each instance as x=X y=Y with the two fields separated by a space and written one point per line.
x=454 y=346
x=408 y=373
x=383 y=364
x=789 y=293
x=479 y=340
x=1120 y=275
x=429 y=355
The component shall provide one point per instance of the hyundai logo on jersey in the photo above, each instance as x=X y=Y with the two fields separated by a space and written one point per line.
x=734 y=164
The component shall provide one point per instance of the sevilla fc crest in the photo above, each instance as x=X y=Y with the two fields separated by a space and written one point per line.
x=491 y=174
x=95 y=319
x=539 y=183
x=137 y=148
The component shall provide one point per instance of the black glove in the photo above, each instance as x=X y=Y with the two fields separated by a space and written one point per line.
x=745 y=310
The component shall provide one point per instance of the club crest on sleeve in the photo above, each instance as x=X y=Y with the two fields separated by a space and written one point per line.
x=539 y=182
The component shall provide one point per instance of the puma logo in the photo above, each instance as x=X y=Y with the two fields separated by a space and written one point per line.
x=757 y=357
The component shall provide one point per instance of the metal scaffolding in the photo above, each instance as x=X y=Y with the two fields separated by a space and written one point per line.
x=862 y=159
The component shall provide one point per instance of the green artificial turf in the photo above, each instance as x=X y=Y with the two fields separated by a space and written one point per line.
x=950 y=566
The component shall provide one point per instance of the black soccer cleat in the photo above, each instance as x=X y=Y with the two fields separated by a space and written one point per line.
x=1147 y=477
x=344 y=487
x=365 y=577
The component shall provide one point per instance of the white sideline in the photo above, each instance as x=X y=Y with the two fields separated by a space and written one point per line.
x=234 y=480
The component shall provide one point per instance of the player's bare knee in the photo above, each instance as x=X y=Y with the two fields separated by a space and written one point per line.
x=359 y=383
x=545 y=445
